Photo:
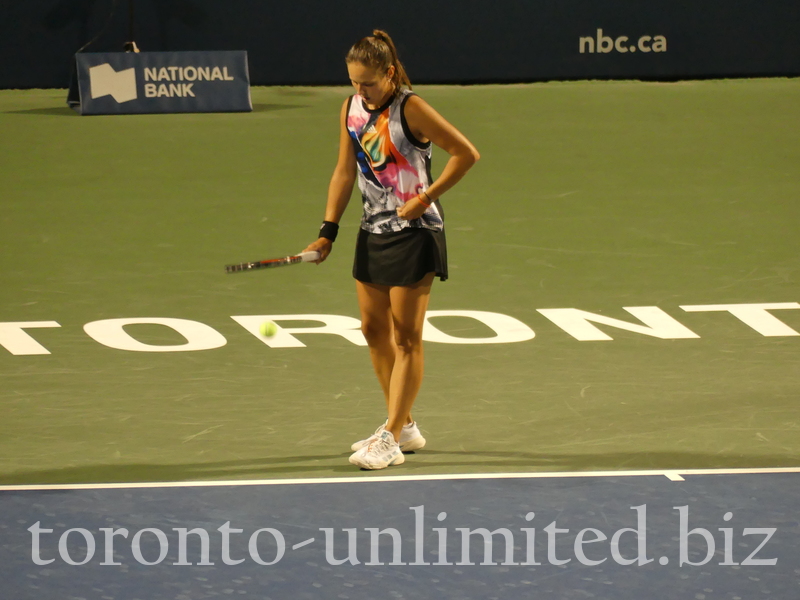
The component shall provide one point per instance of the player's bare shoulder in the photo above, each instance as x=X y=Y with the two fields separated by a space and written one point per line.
x=345 y=107
x=428 y=125
x=417 y=107
x=420 y=116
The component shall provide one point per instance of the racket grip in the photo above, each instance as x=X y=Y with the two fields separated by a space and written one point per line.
x=309 y=256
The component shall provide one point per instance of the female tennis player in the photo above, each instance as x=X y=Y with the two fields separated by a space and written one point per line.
x=385 y=143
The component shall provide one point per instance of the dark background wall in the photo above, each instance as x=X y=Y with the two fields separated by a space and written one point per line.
x=441 y=41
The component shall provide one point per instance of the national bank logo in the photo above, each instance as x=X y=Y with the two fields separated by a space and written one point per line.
x=157 y=82
x=121 y=85
x=105 y=81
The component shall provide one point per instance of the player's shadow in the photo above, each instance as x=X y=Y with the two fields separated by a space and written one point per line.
x=66 y=111
x=613 y=461
x=273 y=107
x=56 y=111
x=429 y=462
x=141 y=472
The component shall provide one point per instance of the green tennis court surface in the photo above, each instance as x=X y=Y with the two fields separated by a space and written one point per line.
x=590 y=196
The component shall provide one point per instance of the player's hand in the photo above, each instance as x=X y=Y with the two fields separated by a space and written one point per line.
x=323 y=246
x=413 y=209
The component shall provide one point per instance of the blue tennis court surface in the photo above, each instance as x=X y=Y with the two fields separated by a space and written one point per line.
x=699 y=535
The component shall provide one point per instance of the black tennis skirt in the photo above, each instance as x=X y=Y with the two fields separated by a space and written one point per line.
x=400 y=258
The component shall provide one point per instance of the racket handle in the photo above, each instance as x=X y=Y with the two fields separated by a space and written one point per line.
x=309 y=256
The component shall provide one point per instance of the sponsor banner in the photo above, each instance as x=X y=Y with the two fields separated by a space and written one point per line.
x=163 y=82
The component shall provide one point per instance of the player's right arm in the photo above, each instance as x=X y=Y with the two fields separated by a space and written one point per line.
x=341 y=185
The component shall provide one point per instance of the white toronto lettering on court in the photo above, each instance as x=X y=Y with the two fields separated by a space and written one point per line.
x=753 y=315
x=16 y=340
x=657 y=323
x=346 y=327
x=507 y=329
x=112 y=333
x=295 y=330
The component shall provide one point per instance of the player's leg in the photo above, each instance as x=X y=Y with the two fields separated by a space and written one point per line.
x=408 y=307
x=377 y=325
x=378 y=329
x=407 y=310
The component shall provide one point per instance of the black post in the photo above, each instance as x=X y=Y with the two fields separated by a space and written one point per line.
x=130 y=46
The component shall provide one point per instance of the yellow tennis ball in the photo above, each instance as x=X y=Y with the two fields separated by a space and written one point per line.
x=268 y=329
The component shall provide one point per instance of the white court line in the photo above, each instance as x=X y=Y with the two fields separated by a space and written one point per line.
x=671 y=474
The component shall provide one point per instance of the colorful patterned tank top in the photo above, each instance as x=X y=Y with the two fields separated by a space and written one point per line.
x=393 y=166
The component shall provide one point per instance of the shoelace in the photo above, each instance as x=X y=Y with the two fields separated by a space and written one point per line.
x=381 y=429
x=375 y=436
x=382 y=444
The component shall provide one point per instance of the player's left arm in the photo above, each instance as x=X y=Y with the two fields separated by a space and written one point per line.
x=427 y=124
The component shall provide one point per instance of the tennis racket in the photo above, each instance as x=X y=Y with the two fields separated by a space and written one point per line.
x=310 y=256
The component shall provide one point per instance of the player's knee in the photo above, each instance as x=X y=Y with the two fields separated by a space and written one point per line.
x=407 y=339
x=375 y=330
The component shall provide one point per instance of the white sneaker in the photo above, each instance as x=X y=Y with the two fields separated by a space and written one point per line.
x=361 y=443
x=381 y=452
x=410 y=438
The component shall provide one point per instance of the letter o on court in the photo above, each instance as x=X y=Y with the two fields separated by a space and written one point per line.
x=111 y=333
x=280 y=546
x=508 y=329
x=136 y=546
x=63 y=548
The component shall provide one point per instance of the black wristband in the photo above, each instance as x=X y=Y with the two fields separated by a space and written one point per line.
x=329 y=230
